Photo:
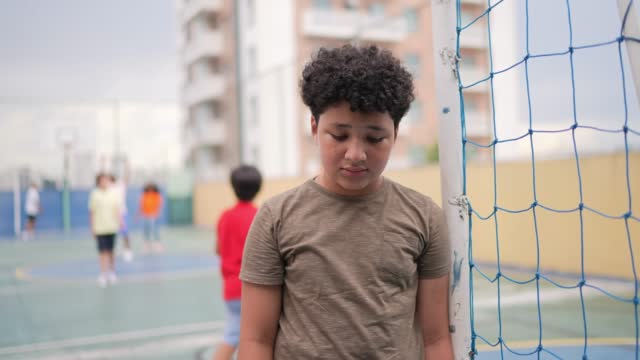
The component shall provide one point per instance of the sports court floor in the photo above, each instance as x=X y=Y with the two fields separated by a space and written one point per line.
x=168 y=306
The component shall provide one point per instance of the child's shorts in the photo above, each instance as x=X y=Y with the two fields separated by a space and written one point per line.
x=232 y=325
x=106 y=242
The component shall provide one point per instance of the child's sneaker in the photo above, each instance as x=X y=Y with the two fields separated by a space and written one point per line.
x=112 y=278
x=102 y=281
x=127 y=255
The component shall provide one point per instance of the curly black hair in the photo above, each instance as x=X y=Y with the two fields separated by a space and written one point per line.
x=370 y=79
x=246 y=181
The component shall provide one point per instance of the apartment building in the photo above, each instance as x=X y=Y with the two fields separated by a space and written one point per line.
x=474 y=54
x=208 y=55
x=256 y=116
x=400 y=26
x=268 y=86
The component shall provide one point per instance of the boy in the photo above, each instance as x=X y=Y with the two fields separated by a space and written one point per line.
x=105 y=205
x=233 y=227
x=32 y=209
x=349 y=265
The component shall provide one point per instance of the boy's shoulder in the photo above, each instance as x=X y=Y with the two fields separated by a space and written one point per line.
x=408 y=194
x=294 y=195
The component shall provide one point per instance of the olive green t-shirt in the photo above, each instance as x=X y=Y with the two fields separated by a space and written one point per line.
x=349 y=269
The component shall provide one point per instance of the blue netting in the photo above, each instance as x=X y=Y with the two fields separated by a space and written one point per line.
x=625 y=131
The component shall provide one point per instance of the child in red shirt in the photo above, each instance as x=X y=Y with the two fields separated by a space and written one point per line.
x=232 y=230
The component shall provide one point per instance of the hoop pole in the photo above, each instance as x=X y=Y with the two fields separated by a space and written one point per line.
x=17 y=213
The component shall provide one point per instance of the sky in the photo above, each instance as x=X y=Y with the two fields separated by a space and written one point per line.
x=65 y=63
x=88 y=49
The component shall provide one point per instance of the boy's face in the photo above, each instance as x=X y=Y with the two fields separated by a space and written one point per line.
x=104 y=182
x=354 y=149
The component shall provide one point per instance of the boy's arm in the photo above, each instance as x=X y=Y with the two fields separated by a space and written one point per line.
x=259 y=322
x=93 y=233
x=220 y=235
x=91 y=206
x=433 y=315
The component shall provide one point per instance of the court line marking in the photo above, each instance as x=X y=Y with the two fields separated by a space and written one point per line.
x=547 y=295
x=147 y=349
x=527 y=344
x=42 y=284
x=114 y=337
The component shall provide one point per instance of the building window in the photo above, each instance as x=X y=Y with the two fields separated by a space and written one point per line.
x=322 y=4
x=412 y=61
x=470 y=106
x=376 y=10
x=411 y=17
x=215 y=155
x=414 y=116
x=351 y=4
x=253 y=109
x=466 y=17
x=417 y=154
x=251 y=12
x=252 y=62
x=214 y=110
x=469 y=61
x=255 y=153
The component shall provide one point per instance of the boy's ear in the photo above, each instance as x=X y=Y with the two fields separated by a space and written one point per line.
x=314 y=126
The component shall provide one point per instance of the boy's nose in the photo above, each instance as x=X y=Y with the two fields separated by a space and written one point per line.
x=356 y=152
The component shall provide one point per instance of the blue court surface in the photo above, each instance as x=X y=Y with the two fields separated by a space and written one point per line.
x=146 y=265
x=169 y=306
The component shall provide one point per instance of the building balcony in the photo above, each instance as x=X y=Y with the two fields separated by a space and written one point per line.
x=204 y=44
x=477 y=123
x=345 y=24
x=212 y=172
x=197 y=140
x=471 y=75
x=192 y=8
x=206 y=166
x=474 y=37
x=211 y=134
x=474 y=2
x=204 y=88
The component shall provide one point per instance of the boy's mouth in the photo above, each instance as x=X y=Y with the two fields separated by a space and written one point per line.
x=354 y=170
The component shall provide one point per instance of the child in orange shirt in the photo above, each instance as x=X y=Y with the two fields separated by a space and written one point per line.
x=150 y=206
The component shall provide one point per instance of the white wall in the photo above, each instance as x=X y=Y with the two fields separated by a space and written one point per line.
x=274 y=85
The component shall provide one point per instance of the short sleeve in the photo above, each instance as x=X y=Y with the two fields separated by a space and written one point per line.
x=92 y=200
x=261 y=261
x=436 y=256
x=221 y=233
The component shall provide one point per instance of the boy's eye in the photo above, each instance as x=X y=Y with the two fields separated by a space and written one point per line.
x=375 y=140
x=339 y=137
